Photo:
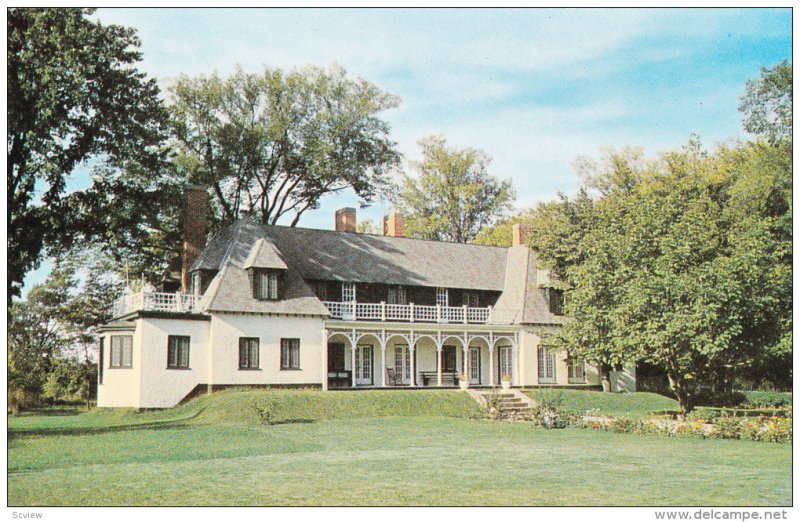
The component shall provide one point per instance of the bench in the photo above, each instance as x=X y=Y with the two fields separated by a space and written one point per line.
x=430 y=379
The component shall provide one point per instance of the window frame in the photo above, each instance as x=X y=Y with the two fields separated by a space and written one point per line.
x=179 y=364
x=248 y=359
x=100 y=359
x=272 y=280
x=121 y=350
x=576 y=363
x=290 y=354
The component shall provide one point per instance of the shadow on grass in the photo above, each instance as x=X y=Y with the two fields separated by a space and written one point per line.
x=292 y=421
x=88 y=430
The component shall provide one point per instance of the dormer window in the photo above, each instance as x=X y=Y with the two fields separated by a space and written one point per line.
x=200 y=281
x=265 y=284
x=555 y=300
x=264 y=265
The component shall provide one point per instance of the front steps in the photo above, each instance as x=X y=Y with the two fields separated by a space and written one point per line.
x=509 y=403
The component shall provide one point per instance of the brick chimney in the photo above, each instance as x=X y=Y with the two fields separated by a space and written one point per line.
x=394 y=225
x=519 y=233
x=195 y=230
x=346 y=219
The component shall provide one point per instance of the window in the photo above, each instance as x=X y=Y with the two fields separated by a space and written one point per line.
x=321 y=289
x=290 y=354
x=248 y=353
x=397 y=295
x=441 y=296
x=196 y=283
x=547 y=364
x=265 y=284
x=348 y=292
x=121 y=351
x=577 y=369
x=472 y=299
x=178 y=352
x=100 y=361
x=555 y=299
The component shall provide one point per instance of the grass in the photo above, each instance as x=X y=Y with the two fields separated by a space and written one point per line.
x=620 y=405
x=375 y=448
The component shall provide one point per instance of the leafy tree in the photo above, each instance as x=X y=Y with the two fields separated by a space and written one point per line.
x=275 y=143
x=52 y=333
x=500 y=233
x=368 y=226
x=454 y=196
x=74 y=94
x=767 y=104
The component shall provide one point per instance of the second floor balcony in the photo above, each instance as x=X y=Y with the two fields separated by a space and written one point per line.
x=154 y=302
x=353 y=311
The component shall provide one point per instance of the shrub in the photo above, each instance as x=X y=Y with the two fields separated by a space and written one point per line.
x=266 y=409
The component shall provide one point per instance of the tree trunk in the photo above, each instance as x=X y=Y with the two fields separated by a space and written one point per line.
x=605 y=376
x=682 y=392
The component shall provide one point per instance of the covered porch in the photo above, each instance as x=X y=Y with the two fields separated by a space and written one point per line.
x=369 y=357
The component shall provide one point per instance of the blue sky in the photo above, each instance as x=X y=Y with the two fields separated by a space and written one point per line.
x=534 y=88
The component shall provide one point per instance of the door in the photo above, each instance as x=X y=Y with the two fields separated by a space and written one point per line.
x=402 y=364
x=335 y=357
x=348 y=298
x=474 y=365
x=364 y=365
x=547 y=365
x=505 y=362
x=449 y=359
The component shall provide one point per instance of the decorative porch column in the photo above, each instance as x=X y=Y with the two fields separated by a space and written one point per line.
x=465 y=342
x=353 y=364
x=413 y=347
x=383 y=363
x=438 y=364
x=491 y=364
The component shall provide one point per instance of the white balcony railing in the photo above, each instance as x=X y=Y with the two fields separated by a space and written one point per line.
x=352 y=311
x=154 y=302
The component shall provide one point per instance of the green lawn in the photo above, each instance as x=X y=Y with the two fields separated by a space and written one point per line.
x=326 y=452
x=622 y=405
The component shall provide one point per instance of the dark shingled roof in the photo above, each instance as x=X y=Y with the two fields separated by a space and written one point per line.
x=311 y=254
x=364 y=258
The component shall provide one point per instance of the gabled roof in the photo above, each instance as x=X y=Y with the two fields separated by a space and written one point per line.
x=264 y=255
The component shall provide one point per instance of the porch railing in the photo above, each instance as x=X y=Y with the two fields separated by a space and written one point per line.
x=154 y=302
x=353 y=311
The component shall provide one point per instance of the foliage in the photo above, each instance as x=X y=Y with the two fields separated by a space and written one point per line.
x=74 y=95
x=454 y=196
x=52 y=333
x=367 y=226
x=266 y=409
x=767 y=104
x=273 y=144
x=70 y=380
x=767 y=399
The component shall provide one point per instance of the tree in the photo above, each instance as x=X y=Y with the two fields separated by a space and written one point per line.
x=767 y=104
x=275 y=143
x=74 y=94
x=454 y=196
x=52 y=333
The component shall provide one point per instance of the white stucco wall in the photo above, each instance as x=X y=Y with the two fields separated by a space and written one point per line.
x=162 y=387
x=120 y=387
x=226 y=329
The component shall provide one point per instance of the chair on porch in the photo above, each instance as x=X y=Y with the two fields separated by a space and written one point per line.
x=391 y=377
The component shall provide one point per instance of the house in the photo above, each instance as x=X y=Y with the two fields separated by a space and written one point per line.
x=280 y=306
